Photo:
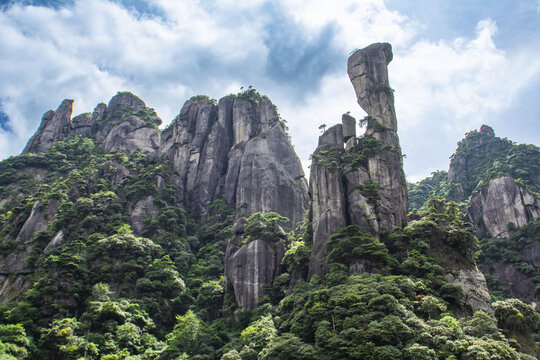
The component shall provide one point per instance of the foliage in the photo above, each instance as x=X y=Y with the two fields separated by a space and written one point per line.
x=510 y=251
x=265 y=227
x=352 y=244
x=478 y=159
x=109 y=289
x=437 y=184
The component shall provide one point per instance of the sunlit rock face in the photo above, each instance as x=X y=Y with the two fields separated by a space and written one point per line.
x=502 y=202
x=339 y=196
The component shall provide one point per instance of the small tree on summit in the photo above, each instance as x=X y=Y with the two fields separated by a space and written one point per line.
x=322 y=127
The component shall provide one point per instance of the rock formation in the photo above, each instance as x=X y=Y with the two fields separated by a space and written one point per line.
x=249 y=267
x=475 y=291
x=367 y=69
x=359 y=180
x=501 y=206
x=55 y=126
x=235 y=150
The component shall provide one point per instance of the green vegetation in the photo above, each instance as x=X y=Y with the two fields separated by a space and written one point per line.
x=480 y=158
x=382 y=87
x=106 y=290
x=437 y=184
x=510 y=251
x=121 y=113
x=265 y=227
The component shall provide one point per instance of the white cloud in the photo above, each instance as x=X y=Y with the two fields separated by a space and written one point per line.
x=446 y=88
x=91 y=49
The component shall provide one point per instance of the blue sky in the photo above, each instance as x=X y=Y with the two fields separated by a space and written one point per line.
x=457 y=64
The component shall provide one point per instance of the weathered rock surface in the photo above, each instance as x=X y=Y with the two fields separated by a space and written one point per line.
x=236 y=150
x=55 y=126
x=503 y=201
x=250 y=268
x=355 y=185
x=476 y=295
x=133 y=134
x=514 y=282
x=531 y=254
x=144 y=209
x=367 y=69
x=38 y=220
x=328 y=212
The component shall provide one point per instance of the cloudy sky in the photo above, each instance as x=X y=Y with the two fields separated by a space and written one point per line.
x=457 y=64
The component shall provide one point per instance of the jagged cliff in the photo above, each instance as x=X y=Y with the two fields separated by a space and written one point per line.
x=359 y=180
x=235 y=150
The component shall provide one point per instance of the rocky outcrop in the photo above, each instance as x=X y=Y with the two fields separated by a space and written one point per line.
x=531 y=254
x=133 y=134
x=477 y=144
x=495 y=207
x=249 y=267
x=55 y=126
x=128 y=125
x=367 y=69
x=475 y=292
x=359 y=181
x=236 y=149
x=125 y=124
x=515 y=283
x=39 y=219
x=213 y=148
x=328 y=212
x=144 y=209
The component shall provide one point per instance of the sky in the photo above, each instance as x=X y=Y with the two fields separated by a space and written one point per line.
x=457 y=64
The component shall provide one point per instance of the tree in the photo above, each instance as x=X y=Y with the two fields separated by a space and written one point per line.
x=61 y=341
x=288 y=347
x=259 y=333
x=265 y=227
x=185 y=337
x=322 y=127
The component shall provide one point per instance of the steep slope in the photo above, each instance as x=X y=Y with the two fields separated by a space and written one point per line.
x=118 y=240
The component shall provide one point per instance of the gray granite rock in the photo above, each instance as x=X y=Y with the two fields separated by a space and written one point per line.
x=503 y=201
x=55 y=126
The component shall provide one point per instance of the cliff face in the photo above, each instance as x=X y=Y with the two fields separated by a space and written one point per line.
x=495 y=207
x=235 y=150
x=354 y=180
